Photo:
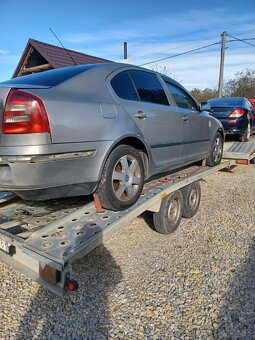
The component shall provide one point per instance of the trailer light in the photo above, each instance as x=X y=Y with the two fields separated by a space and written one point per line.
x=242 y=161
x=163 y=195
x=72 y=285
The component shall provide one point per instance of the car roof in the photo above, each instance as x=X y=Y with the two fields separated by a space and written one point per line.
x=58 y=76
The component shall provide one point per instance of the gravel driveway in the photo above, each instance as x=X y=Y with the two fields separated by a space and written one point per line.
x=198 y=283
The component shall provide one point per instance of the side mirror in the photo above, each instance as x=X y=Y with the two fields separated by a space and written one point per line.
x=206 y=107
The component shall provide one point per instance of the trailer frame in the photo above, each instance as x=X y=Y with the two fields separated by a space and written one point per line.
x=45 y=252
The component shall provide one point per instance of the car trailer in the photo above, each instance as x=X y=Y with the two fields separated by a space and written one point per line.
x=43 y=239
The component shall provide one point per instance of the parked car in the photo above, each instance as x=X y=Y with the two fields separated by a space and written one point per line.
x=237 y=115
x=101 y=127
x=252 y=101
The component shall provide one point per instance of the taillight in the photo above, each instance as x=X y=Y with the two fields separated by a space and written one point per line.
x=24 y=113
x=236 y=113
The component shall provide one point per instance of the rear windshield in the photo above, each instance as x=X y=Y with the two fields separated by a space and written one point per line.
x=226 y=102
x=51 y=77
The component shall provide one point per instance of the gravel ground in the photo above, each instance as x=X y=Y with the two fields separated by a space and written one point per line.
x=197 y=283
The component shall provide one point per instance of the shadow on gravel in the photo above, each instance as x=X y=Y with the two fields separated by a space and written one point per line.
x=237 y=317
x=79 y=315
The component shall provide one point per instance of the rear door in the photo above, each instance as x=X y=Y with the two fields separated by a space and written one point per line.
x=196 y=128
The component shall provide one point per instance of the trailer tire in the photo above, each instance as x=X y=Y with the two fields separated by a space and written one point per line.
x=191 y=199
x=168 y=218
x=252 y=161
x=122 y=179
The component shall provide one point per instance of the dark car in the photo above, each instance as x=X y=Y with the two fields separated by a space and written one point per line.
x=237 y=116
x=102 y=127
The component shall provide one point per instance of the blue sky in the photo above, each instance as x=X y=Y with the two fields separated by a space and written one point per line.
x=153 y=30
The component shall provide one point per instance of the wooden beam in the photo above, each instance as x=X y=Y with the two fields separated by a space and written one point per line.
x=34 y=69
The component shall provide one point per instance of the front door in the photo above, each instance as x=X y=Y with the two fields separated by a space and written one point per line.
x=162 y=130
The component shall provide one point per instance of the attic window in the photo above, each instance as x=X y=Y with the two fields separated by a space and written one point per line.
x=35 y=59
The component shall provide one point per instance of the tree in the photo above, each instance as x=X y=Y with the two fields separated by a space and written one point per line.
x=203 y=95
x=161 y=69
x=243 y=85
x=164 y=70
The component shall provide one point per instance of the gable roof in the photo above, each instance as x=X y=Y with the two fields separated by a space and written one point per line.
x=39 y=56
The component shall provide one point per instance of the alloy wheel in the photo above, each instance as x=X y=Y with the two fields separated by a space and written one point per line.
x=217 y=149
x=126 y=178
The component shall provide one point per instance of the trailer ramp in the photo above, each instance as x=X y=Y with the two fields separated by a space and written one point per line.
x=240 y=151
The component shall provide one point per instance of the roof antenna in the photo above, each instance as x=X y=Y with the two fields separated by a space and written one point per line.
x=74 y=63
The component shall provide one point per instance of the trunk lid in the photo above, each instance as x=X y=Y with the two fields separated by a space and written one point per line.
x=221 y=112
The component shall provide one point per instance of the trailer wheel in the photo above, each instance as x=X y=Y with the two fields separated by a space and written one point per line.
x=191 y=199
x=167 y=220
x=252 y=161
x=122 y=179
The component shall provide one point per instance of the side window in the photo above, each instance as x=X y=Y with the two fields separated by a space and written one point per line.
x=123 y=86
x=149 y=87
x=182 y=98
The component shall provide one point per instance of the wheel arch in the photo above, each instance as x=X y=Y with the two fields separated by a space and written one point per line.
x=221 y=131
x=137 y=144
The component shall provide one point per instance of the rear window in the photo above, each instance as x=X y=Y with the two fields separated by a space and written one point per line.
x=51 y=77
x=226 y=102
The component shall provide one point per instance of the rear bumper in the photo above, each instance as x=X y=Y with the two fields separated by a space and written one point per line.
x=235 y=131
x=54 y=175
x=239 y=128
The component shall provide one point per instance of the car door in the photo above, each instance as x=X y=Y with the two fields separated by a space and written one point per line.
x=151 y=112
x=196 y=127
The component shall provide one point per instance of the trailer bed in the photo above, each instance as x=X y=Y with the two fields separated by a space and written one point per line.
x=42 y=240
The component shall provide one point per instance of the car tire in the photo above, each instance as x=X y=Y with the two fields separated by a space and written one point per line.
x=246 y=136
x=168 y=218
x=216 y=151
x=191 y=199
x=122 y=179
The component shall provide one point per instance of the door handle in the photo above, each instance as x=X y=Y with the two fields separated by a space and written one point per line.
x=185 y=118
x=140 y=115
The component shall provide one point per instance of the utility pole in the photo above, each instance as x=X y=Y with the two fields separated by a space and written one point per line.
x=125 y=51
x=222 y=57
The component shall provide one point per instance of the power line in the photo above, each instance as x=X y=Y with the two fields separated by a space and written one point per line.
x=179 y=54
x=191 y=43
x=200 y=48
x=242 y=40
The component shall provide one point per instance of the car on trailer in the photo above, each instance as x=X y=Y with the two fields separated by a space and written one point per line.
x=236 y=114
x=103 y=128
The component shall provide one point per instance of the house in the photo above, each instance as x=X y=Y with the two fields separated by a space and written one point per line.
x=39 y=56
